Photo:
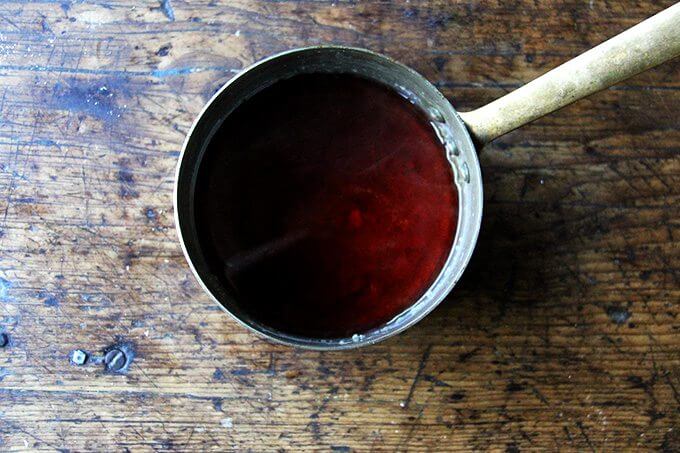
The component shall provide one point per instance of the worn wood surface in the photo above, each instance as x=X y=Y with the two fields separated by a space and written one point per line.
x=563 y=335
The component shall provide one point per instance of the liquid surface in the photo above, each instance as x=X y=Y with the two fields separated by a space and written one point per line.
x=326 y=205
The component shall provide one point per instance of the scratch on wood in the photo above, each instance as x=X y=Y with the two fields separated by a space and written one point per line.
x=675 y=391
x=539 y=395
x=421 y=367
x=585 y=436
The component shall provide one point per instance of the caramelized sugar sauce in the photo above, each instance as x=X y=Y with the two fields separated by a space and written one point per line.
x=325 y=203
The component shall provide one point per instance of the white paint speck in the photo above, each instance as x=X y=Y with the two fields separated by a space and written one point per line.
x=227 y=422
x=237 y=33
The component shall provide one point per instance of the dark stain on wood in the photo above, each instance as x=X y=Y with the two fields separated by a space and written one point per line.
x=619 y=315
x=126 y=180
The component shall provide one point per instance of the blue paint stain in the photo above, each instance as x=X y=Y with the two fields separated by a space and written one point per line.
x=15 y=173
x=45 y=26
x=98 y=100
x=48 y=299
x=218 y=375
x=5 y=285
x=173 y=72
x=24 y=200
x=51 y=301
x=159 y=73
x=44 y=142
x=4 y=372
x=166 y=7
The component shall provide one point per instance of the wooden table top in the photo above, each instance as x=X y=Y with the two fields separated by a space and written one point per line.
x=563 y=334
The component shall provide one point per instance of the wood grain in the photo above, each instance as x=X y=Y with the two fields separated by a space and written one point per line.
x=563 y=334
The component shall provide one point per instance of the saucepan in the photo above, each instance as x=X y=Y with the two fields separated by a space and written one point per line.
x=643 y=46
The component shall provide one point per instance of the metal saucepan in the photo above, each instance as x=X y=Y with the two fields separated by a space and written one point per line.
x=646 y=45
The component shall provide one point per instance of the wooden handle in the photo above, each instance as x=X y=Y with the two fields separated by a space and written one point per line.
x=637 y=49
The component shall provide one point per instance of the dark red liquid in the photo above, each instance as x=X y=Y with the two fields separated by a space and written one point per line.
x=326 y=205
